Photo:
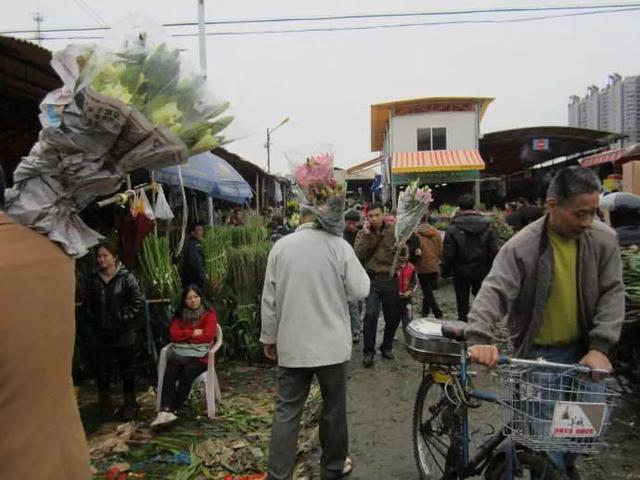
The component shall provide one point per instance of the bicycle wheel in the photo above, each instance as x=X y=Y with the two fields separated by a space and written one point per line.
x=531 y=465
x=432 y=417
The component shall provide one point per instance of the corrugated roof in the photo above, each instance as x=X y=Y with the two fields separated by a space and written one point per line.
x=25 y=69
x=620 y=155
x=380 y=113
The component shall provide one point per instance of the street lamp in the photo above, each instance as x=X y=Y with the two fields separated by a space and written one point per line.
x=268 y=144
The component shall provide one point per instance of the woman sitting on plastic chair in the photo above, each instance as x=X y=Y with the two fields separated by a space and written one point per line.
x=192 y=331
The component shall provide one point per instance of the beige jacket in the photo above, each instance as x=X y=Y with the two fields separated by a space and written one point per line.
x=519 y=282
x=42 y=433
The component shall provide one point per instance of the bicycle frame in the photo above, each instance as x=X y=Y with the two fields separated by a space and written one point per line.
x=461 y=439
x=475 y=465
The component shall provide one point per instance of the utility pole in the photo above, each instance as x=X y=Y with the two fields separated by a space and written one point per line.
x=202 y=48
x=202 y=39
x=38 y=17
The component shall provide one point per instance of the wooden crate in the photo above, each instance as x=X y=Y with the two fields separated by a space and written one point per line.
x=631 y=177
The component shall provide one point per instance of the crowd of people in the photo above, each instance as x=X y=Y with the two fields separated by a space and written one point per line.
x=558 y=281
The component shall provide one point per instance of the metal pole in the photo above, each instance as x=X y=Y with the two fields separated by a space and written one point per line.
x=477 y=184
x=210 y=209
x=390 y=160
x=202 y=39
x=268 y=151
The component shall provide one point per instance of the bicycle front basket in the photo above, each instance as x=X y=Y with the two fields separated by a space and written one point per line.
x=548 y=409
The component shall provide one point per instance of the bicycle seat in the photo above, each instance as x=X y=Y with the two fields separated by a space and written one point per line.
x=453 y=329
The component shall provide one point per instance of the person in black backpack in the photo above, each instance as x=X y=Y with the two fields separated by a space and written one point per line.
x=470 y=245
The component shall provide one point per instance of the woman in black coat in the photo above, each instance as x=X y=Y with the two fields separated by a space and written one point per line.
x=113 y=301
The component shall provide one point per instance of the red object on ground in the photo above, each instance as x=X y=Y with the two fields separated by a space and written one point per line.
x=254 y=476
x=115 y=474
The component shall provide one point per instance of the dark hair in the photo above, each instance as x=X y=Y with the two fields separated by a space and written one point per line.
x=624 y=216
x=352 y=216
x=375 y=206
x=466 y=202
x=193 y=226
x=572 y=181
x=110 y=247
x=3 y=185
x=183 y=298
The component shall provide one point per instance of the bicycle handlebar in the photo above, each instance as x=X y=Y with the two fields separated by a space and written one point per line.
x=504 y=360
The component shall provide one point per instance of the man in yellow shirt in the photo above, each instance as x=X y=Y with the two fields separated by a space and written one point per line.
x=559 y=282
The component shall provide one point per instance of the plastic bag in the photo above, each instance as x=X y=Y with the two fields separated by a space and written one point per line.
x=133 y=106
x=320 y=193
x=141 y=205
x=145 y=71
x=161 y=209
x=413 y=204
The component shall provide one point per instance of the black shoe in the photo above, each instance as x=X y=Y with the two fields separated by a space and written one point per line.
x=387 y=353
x=367 y=360
x=439 y=315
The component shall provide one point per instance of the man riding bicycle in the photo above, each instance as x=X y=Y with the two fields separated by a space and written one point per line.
x=559 y=282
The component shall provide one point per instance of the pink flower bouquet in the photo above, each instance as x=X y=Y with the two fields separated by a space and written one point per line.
x=323 y=195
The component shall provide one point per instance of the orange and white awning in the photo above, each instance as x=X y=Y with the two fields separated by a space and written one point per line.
x=437 y=161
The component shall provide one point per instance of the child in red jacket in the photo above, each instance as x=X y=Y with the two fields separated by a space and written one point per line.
x=407 y=283
x=192 y=332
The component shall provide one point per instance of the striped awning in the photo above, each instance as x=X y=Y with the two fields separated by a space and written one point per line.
x=437 y=161
x=600 y=158
x=621 y=155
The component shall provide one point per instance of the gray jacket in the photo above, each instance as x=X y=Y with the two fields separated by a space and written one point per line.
x=310 y=277
x=520 y=281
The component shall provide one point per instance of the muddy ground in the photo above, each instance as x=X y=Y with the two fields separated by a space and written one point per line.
x=380 y=408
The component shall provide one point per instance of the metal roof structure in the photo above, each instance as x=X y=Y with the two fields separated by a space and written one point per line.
x=509 y=151
x=25 y=70
x=382 y=112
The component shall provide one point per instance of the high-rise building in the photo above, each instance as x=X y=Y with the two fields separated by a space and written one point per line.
x=615 y=108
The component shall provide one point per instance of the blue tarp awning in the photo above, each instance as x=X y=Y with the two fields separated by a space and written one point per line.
x=210 y=174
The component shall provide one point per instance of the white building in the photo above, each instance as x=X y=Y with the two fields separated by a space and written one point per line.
x=615 y=108
x=433 y=138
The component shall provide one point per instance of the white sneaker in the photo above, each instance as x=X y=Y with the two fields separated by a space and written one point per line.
x=164 y=418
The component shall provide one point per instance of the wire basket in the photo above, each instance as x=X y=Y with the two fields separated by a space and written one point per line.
x=551 y=409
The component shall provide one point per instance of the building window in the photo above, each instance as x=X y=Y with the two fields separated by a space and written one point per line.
x=432 y=139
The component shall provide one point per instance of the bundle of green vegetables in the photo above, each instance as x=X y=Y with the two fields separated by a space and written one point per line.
x=631 y=274
x=247 y=266
x=158 y=274
x=216 y=264
x=152 y=78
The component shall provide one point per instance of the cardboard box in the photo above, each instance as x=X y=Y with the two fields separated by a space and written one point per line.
x=631 y=177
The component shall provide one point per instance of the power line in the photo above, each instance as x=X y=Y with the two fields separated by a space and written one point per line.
x=355 y=17
x=382 y=26
x=90 y=11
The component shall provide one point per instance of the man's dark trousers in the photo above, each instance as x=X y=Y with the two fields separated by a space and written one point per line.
x=384 y=290
x=464 y=285
x=292 y=390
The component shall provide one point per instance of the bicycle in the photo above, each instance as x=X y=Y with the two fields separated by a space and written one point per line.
x=531 y=392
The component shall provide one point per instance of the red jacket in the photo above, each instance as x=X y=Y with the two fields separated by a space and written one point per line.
x=407 y=278
x=208 y=323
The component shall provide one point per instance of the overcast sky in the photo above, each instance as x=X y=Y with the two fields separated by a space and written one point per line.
x=326 y=81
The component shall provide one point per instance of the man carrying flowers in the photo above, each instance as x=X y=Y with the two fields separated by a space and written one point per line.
x=311 y=276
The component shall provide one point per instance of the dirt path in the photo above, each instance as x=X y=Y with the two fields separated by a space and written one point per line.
x=380 y=410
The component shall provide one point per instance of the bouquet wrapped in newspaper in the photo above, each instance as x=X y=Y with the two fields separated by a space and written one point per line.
x=118 y=111
x=413 y=204
x=321 y=193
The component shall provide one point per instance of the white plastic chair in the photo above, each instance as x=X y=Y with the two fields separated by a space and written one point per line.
x=209 y=378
